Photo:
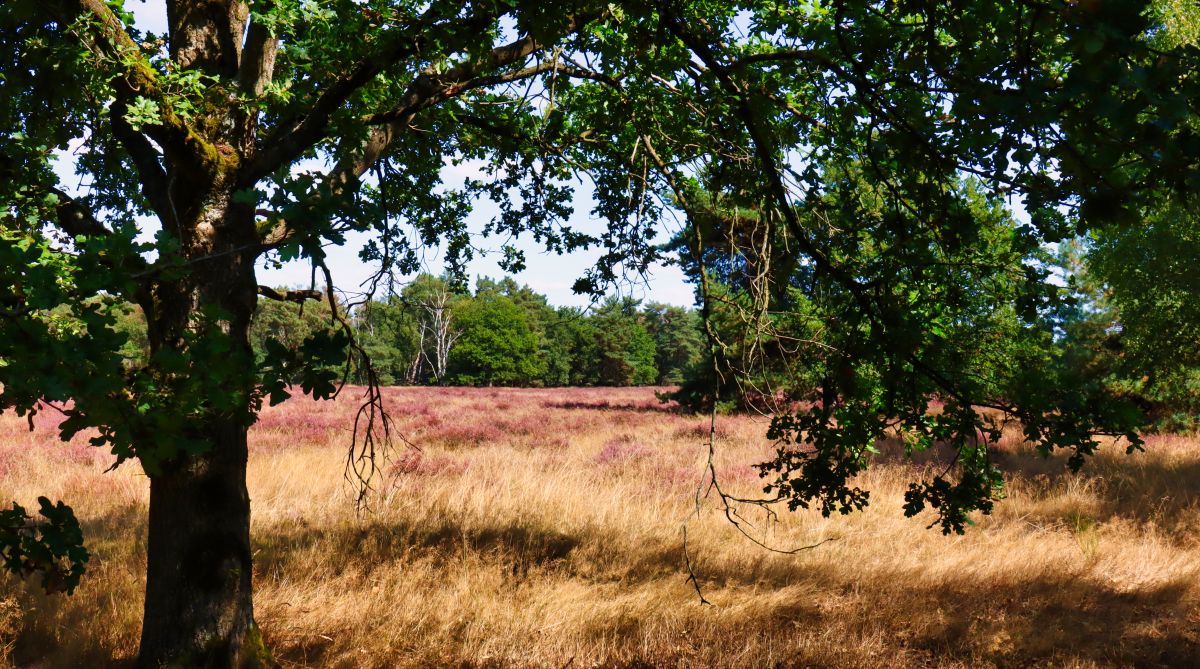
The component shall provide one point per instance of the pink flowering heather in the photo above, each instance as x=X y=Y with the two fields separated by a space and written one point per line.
x=701 y=429
x=621 y=451
x=416 y=463
x=461 y=435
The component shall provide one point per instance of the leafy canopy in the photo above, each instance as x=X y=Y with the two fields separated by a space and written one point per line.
x=335 y=118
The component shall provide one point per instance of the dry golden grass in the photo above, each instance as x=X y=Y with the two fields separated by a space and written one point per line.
x=541 y=528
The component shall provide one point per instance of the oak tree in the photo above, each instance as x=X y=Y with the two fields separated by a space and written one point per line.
x=497 y=347
x=265 y=130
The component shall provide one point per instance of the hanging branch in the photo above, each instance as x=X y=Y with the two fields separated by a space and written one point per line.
x=726 y=501
x=371 y=437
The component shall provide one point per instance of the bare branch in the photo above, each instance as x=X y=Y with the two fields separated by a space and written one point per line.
x=371 y=436
x=691 y=570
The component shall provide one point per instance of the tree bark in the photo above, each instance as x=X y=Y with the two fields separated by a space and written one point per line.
x=199 y=610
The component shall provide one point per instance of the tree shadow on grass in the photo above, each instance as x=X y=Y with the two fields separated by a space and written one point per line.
x=381 y=541
x=608 y=405
x=1044 y=620
x=1007 y=620
x=1138 y=487
x=1037 y=622
x=56 y=630
x=1041 y=621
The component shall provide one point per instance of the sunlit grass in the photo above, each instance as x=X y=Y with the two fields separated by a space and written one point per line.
x=542 y=528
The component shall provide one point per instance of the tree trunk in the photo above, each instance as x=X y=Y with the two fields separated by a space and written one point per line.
x=199 y=610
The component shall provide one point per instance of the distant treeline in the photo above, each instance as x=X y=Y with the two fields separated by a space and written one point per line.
x=503 y=334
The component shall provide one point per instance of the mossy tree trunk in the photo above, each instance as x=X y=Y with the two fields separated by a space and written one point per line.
x=199 y=609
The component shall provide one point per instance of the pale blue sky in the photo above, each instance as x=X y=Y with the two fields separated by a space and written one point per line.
x=546 y=273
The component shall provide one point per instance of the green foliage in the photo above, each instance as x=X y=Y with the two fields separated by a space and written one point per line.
x=960 y=314
x=1180 y=21
x=387 y=332
x=52 y=547
x=678 y=341
x=288 y=324
x=573 y=355
x=496 y=346
x=1134 y=323
x=298 y=344
x=131 y=322
x=626 y=349
x=817 y=152
x=293 y=340
x=314 y=364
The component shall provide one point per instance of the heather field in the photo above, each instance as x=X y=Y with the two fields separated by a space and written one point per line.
x=542 y=528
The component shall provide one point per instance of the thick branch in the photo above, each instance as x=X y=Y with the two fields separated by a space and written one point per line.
x=295 y=137
x=784 y=55
x=207 y=35
x=258 y=59
x=75 y=219
x=298 y=296
x=428 y=89
x=453 y=89
x=146 y=160
x=78 y=221
x=104 y=34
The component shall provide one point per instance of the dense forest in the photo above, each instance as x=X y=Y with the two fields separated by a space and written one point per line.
x=437 y=332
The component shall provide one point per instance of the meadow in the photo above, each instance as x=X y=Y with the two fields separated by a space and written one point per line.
x=543 y=528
